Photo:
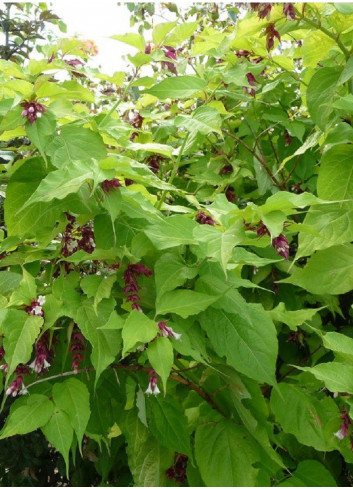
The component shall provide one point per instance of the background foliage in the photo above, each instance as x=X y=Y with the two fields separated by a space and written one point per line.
x=176 y=253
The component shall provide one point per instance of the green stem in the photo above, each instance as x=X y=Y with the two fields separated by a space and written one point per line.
x=116 y=105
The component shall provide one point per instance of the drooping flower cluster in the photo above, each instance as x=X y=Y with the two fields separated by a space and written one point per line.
x=17 y=386
x=226 y=169
x=203 y=218
x=70 y=244
x=136 y=121
x=264 y=10
x=108 y=185
x=167 y=331
x=32 y=110
x=87 y=243
x=154 y=161
x=280 y=243
x=77 y=348
x=131 y=288
x=152 y=384
x=177 y=471
x=244 y=53
x=229 y=193
x=4 y=365
x=346 y=422
x=42 y=354
x=75 y=63
x=36 y=307
x=170 y=53
x=271 y=33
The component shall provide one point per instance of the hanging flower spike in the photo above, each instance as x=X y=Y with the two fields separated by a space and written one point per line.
x=229 y=193
x=148 y=49
x=35 y=307
x=170 y=53
x=281 y=246
x=32 y=110
x=167 y=331
x=17 y=386
x=226 y=169
x=87 y=243
x=262 y=230
x=42 y=354
x=152 y=385
x=343 y=430
x=108 y=185
x=203 y=218
x=264 y=10
x=76 y=348
x=177 y=471
x=271 y=33
x=131 y=286
x=289 y=11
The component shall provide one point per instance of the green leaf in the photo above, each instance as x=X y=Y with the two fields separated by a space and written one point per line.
x=177 y=87
x=98 y=286
x=326 y=272
x=170 y=272
x=161 y=149
x=339 y=343
x=335 y=180
x=312 y=421
x=161 y=357
x=42 y=131
x=148 y=460
x=217 y=244
x=337 y=377
x=320 y=93
x=160 y=31
x=135 y=40
x=168 y=423
x=26 y=291
x=72 y=397
x=9 y=281
x=60 y=183
x=225 y=454
x=334 y=225
x=173 y=231
x=59 y=433
x=138 y=329
x=20 y=332
x=185 y=303
x=293 y=319
x=29 y=416
x=204 y=120
x=65 y=148
x=246 y=338
x=310 y=473
x=106 y=343
x=181 y=33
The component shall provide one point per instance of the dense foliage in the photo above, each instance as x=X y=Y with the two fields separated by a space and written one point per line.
x=176 y=254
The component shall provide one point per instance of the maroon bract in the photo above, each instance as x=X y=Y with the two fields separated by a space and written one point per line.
x=154 y=161
x=177 y=471
x=203 y=218
x=131 y=285
x=289 y=11
x=170 y=53
x=35 y=307
x=76 y=348
x=226 y=169
x=42 y=354
x=32 y=110
x=87 y=243
x=112 y=184
x=229 y=193
x=281 y=246
x=262 y=230
x=271 y=33
x=346 y=422
x=287 y=138
x=17 y=386
x=136 y=121
x=148 y=49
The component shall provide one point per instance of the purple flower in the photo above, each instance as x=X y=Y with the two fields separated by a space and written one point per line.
x=17 y=386
x=148 y=49
x=226 y=169
x=167 y=331
x=262 y=230
x=76 y=348
x=281 y=246
x=32 y=110
x=152 y=385
x=35 y=307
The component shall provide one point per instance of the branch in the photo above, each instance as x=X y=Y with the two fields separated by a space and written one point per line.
x=135 y=368
x=260 y=160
